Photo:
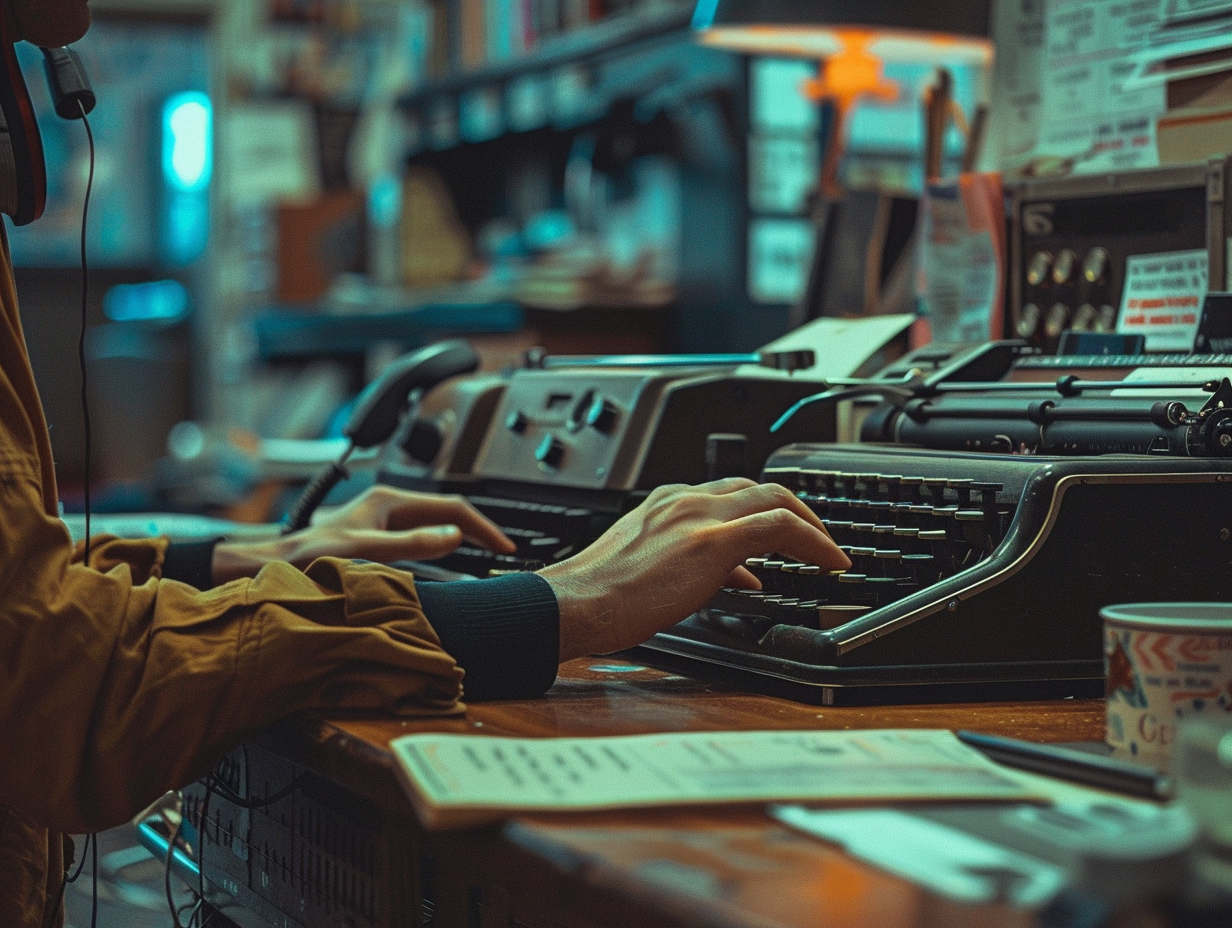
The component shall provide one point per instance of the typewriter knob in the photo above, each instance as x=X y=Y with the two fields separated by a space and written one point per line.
x=601 y=416
x=516 y=422
x=1219 y=435
x=551 y=452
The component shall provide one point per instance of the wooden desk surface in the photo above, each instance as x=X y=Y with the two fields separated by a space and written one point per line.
x=720 y=867
x=600 y=696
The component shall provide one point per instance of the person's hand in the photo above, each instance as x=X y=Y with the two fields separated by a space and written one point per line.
x=381 y=524
x=661 y=562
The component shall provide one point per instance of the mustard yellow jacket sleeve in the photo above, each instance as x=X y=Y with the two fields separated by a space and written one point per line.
x=118 y=686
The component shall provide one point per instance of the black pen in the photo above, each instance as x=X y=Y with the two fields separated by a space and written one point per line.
x=1073 y=765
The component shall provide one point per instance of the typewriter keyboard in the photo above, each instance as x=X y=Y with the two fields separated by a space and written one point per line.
x=544 y=533
x=901 y=532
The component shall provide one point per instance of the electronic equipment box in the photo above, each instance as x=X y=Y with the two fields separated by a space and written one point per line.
x=1073 y=239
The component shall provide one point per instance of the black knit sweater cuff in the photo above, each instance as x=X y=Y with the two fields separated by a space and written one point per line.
x=191 y=562
x=504 y=632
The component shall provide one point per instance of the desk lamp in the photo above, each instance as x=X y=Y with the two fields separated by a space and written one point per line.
x=852 y=40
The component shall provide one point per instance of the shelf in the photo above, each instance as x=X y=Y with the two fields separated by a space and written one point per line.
x=576 y=47
x=290 y=333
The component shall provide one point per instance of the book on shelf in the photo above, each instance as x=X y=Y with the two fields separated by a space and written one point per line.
x=462 y=780
x=468 y=35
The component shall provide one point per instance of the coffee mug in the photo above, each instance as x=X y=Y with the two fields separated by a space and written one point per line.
x=1164 y=662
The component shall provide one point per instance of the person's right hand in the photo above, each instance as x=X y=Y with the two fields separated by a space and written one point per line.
x=661 y=562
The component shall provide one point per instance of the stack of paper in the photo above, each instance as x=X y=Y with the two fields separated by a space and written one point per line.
x=456 y=780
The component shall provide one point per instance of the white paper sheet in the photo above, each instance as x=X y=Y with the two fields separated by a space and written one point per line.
x=464 y=772
x=841 y=346
x=946 y=860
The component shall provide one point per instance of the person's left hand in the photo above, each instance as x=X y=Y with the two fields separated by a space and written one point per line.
x=381 y=524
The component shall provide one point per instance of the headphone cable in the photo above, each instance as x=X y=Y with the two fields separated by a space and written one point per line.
x=91 y=842
x=81 y=337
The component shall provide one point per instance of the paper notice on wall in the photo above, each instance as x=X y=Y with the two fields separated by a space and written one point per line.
x=780 y=252
x=1089 y=119
x=1014 y=121
x=961 y=261
x=1162 y=298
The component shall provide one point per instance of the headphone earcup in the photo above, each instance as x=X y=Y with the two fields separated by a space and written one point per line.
x=23 y=173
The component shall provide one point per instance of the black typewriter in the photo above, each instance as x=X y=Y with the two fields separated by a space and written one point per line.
x=998 y=503
x=974 y=576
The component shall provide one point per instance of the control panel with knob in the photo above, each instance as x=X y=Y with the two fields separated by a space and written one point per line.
x=1073 y=241
x=595 y=428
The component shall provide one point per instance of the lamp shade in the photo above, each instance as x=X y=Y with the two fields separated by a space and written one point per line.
x=903 y=30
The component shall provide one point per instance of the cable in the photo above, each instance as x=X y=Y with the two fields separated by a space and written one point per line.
x=94 y=883
x=260 y=802
x=81 y=337
x=71 y=878
x=91 y=842
x=167 y=865
x=314 y=494
x=205 y=812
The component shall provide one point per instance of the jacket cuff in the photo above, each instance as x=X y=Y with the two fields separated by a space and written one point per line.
x=503 y=631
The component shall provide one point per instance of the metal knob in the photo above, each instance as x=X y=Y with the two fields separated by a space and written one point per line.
x=551 y=452
x=516 y=422
x=1084 y=318
x=1054 y=325
x=1028 y=320
x=602 y=415
x=1063 y=267
x=1037 y=269
x=1095 y=265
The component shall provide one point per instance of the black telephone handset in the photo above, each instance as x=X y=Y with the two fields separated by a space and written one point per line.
x=379 y=409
